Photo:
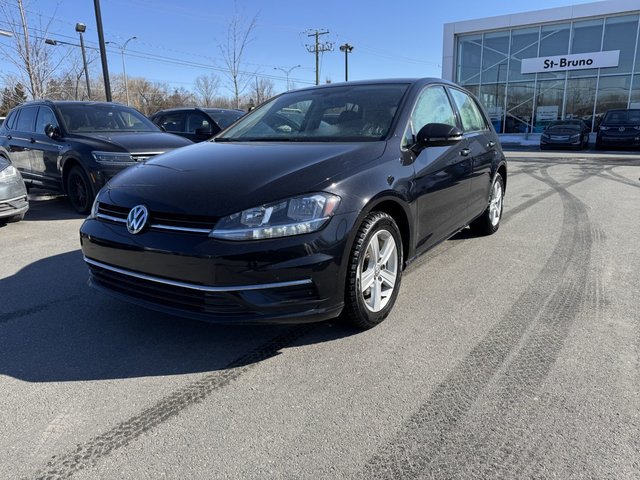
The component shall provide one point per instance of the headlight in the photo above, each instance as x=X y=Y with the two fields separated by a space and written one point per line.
x=294 y=216
x=8 y=174
x=113 y=158
x=575 y=136
x=94 y=208
x=604 y=128
x=545 y=135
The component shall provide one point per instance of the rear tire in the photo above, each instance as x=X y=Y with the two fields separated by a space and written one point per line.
x=489 y=222
x=374 y=272
x=79 y=190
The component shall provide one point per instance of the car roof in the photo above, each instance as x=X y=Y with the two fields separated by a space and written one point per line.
x=201 y=109
x=72 y=102
x=387 y=81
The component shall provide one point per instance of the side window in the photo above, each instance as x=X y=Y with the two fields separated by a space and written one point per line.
x=45 y=117
x=27 y=119
x=472 y=119
x=10 y=119
x=433 y=106
x=197 y=120
x=173 y=122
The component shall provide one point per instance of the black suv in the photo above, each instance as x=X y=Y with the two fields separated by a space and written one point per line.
x=619 y=128
x=75 y=147
x=196 y=124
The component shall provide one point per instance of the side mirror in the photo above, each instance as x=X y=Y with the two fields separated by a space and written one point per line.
x=204 y=132
x=436 y=135
x=53 y=132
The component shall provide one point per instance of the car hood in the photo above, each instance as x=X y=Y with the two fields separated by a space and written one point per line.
x=217 y=179
x=138 y=142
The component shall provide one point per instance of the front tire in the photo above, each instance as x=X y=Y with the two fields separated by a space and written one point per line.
x=374 y=272
x=489 y=222
x=79 y=190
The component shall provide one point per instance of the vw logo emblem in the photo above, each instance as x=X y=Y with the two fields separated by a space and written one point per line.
x=621 y=129
x=137 y=219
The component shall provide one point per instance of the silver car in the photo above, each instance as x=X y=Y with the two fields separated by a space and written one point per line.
x=13 y=194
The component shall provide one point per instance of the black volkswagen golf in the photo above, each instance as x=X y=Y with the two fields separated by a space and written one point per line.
x=308 y=207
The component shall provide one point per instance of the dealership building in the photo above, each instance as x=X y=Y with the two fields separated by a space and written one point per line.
x=532 y=68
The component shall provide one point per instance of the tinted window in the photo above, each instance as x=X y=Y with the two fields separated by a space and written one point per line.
x=10 y=119
x=45 y=117
x=27 y=119
x=196 y=120
x=472 y=119
x=173 y=122
x=432 y=106
x=91 y=118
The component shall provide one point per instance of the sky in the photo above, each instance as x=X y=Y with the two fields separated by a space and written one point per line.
x=179 y=40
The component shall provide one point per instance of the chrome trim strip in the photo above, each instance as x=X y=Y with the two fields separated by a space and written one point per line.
x=192 y=286
x=181 y=229
x=21 y=197
x=157 y=226
x=110 y=218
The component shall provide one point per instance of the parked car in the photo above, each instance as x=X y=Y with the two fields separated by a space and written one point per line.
x=565 y=133
x=75 y=147
x=268 y=223
x=196 y=124
x=619 y=128
x=13 y=194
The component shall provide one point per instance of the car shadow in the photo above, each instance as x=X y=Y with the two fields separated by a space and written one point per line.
x=46 y=206
x=54 y=328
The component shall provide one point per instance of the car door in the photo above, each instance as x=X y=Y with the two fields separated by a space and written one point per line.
x=440 y=187
x=482 y=143
x=46 y=151
x=20 y=140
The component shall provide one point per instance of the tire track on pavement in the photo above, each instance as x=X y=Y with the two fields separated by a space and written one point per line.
x=433 y=442
x=90 y=452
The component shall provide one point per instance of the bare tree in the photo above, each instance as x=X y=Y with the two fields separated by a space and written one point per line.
x=262 y=89
x=34 y=61
x=206 y=89
x=238 y=37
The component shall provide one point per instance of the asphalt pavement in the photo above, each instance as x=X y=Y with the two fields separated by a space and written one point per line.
x=510 y=356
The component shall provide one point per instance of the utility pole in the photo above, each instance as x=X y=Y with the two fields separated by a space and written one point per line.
x=287 y=72
x=103 y=51
x=347 y=49
x=318 y=48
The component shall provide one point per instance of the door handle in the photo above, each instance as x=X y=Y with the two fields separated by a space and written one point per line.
x=465 y=152
x=491 y=144
x=9 y=137
x=32 y=140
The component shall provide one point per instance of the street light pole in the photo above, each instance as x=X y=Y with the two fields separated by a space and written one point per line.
x=124 y=66
x=347 y=49
x=81 y=28
x=287 y=71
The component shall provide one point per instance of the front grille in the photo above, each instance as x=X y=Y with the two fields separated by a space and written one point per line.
x=157 y=220
x=223 y=304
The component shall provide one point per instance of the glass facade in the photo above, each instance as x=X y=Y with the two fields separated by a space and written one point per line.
x=489 y=65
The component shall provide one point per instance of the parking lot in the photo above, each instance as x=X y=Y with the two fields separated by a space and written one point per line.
x=510 y=356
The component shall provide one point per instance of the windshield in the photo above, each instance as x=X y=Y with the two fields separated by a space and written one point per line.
x=565 y=125
x=623 y=117
x=224 y=118
x=88 y=118
x=333 y=114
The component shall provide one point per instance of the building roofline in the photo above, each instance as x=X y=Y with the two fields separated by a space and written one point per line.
x=548 y=15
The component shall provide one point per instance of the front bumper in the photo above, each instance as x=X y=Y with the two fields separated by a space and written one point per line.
x=632 y=140
x=287 y=280
x=13 y=199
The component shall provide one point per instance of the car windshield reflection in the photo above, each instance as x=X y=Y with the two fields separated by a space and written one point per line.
x=334 y=114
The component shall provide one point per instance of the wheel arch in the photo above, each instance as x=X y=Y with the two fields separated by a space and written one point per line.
x=399 y=210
